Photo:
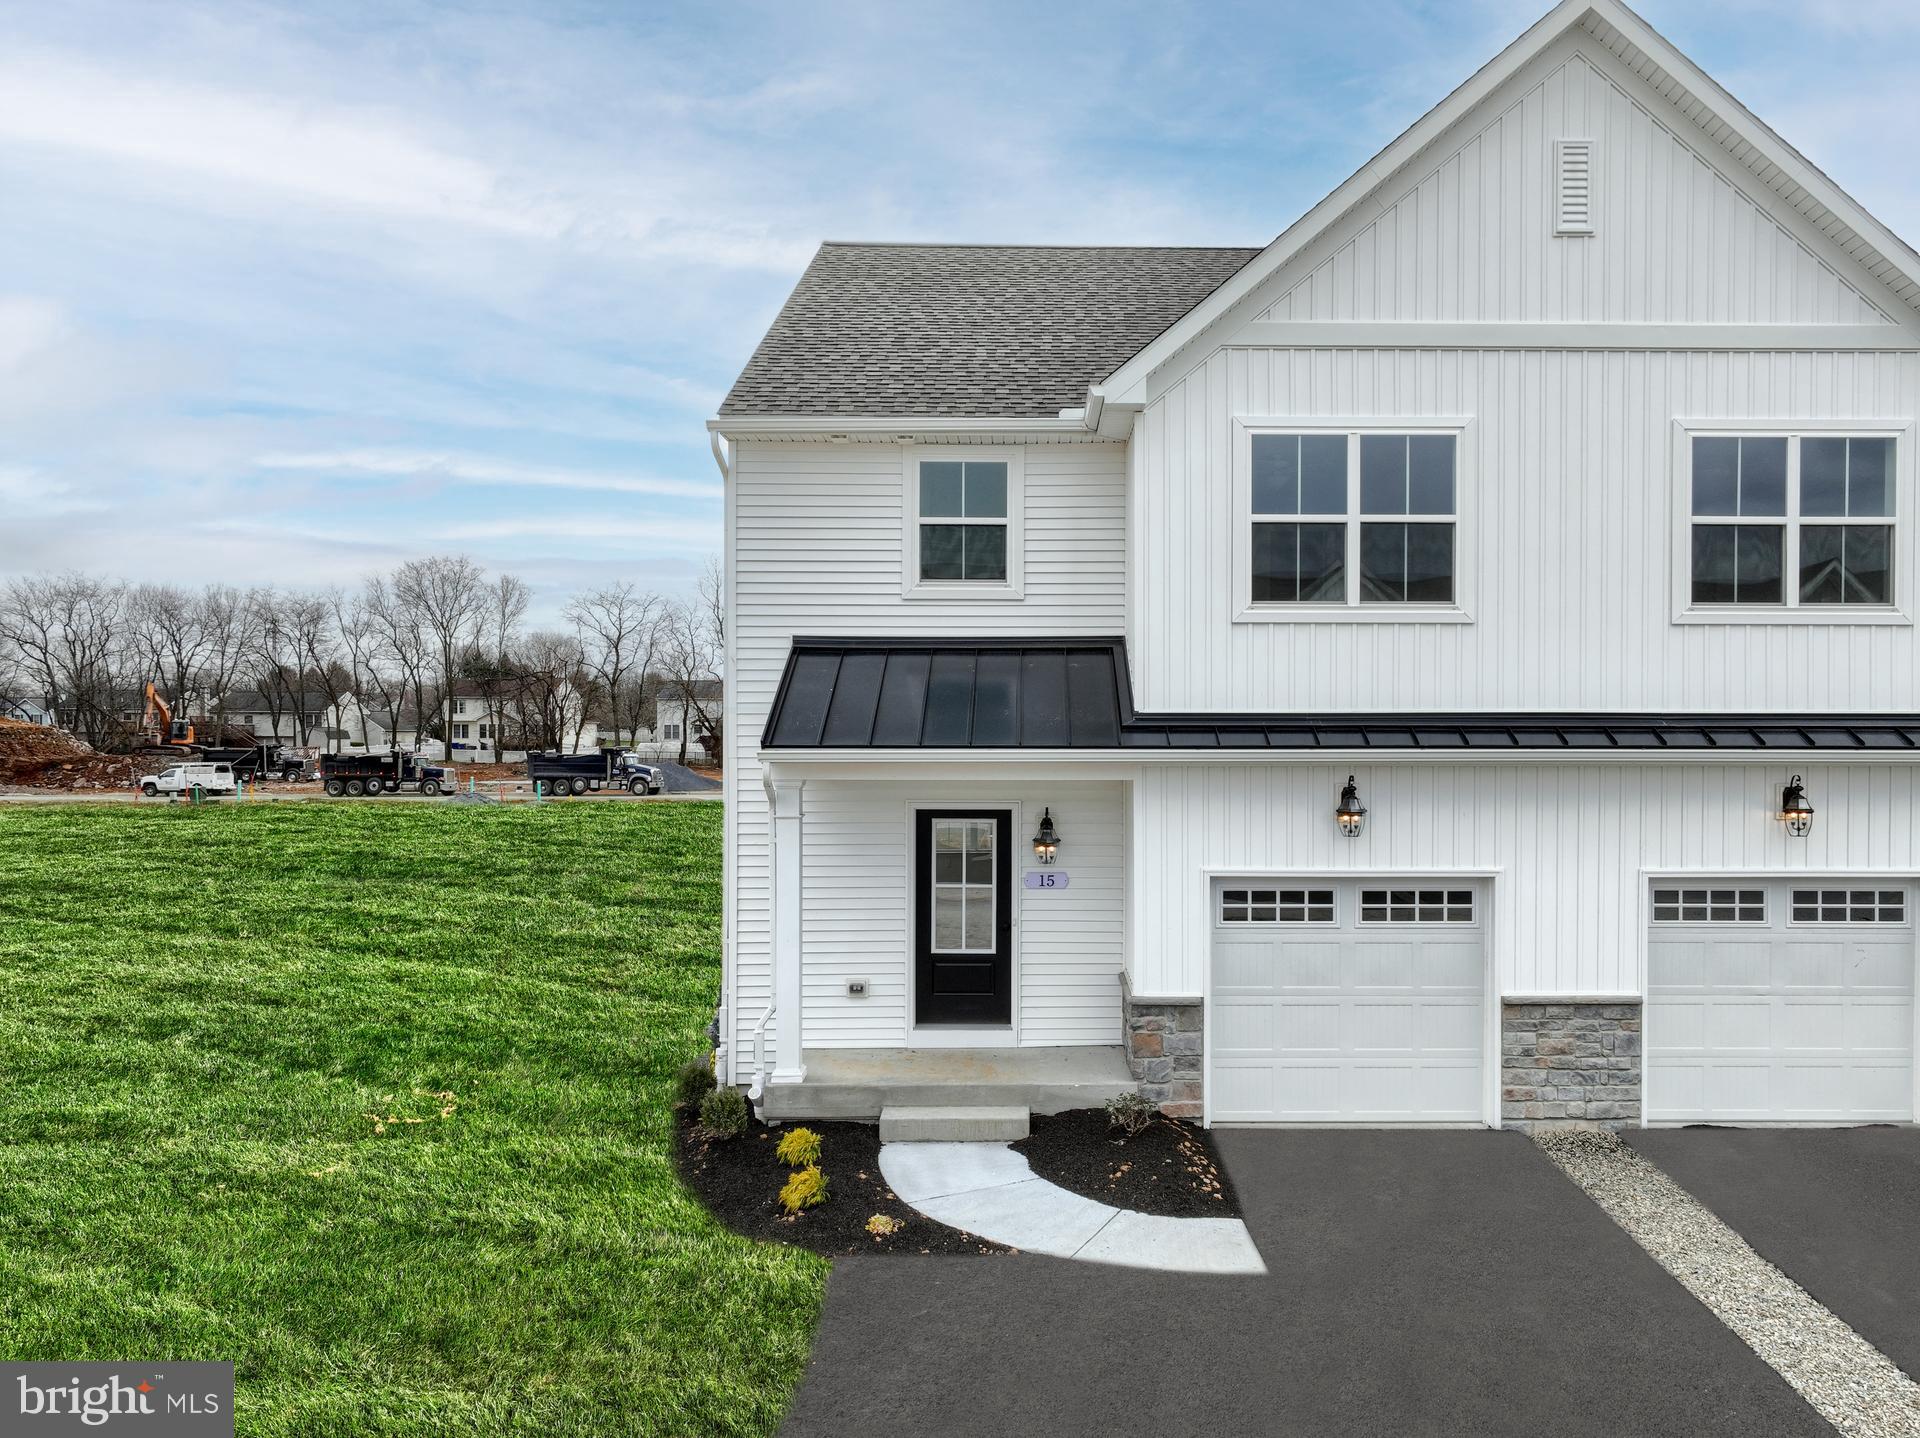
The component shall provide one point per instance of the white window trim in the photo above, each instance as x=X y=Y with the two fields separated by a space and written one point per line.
x=1015 y=584
x=1906 y=553
x=1246 y=611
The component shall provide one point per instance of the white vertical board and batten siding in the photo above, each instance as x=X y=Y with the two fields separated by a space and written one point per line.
x=818 y=534
x=1567 y=845
x=1567 y=490
x=1683 y=234
x=1567 y=508
x=858 y=906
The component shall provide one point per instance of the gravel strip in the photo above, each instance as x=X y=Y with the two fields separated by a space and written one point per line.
x=1852 y=1384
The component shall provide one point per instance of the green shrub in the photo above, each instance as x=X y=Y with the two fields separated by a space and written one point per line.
x=804 y=1189
x=694 y=1081
x=1131 y=1113
x=799 y=1147
x=723 y=1113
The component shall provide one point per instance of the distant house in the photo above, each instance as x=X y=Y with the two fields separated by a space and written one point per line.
x=678 y=718
x=26 y=711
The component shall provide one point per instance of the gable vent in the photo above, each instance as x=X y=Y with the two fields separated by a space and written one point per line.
x=1573 y=187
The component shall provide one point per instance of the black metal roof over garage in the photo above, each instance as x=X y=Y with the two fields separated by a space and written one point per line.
x=1076 y=694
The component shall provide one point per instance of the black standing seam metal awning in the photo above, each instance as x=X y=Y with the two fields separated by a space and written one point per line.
x=1077 y=694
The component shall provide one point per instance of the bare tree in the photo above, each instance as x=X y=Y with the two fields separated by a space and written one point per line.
x=403 y=641
x=619 y=631
x=549 y=670
x=163 y=623
x=223 y=626
x=67 y=633
x=690 y=658
x=448 y=593
x=507 y=599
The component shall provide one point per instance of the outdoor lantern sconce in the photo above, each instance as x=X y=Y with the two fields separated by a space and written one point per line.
x=1795 y=812
x=1046 y=839
x=1350 y=814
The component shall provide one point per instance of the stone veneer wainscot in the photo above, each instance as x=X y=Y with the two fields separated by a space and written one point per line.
x=1163 y=1050
x=1570 y=1063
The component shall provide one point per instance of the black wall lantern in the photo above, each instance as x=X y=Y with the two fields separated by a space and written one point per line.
x=1350 y=814
x=1795 y=812
x=1046 y=839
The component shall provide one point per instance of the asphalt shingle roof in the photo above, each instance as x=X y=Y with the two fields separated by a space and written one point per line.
x=1014 y=330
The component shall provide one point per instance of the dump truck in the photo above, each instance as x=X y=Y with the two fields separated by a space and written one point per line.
x=558 y=775
x=354 y=775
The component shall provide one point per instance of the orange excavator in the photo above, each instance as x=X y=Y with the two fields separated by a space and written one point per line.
x=161 y=730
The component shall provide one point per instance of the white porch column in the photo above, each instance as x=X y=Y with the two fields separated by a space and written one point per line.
x=785 y=798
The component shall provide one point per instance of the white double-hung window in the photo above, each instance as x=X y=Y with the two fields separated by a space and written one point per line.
x=963 y=513
x=1348 y=522
x=1799 y=525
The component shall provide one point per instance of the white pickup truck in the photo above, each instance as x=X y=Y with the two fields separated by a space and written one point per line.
x=183 y=778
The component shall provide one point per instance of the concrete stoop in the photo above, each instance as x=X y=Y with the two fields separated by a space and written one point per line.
x=864 y=1083
x=968 y=1123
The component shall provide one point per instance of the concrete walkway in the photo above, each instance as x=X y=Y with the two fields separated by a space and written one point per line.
x=988 y=1189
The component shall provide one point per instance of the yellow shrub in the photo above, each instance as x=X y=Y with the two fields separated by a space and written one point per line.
x=883 y=1225
x=804 y=1189
x=799 y=1147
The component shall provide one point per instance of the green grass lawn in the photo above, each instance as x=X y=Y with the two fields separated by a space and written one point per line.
x=217 y=1028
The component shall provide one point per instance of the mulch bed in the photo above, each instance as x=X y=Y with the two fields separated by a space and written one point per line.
x=1169 y=1168
x=739 y=1180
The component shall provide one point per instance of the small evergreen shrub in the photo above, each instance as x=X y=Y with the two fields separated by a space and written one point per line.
x=799 y=1147
x=694 y=1081
x=883 y=1225
x=723 y=1113
x=804 y=1189
x=1131 y=1114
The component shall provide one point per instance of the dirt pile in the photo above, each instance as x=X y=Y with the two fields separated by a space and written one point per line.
x=37 y=757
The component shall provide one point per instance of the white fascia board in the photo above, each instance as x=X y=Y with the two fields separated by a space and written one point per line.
x=1108 y=763
x=1128 y=384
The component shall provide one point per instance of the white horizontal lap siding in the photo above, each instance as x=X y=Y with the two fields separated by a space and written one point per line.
x=857 y=909
x=1681 y=231
x=1566 y=503
x=1569 y=841
x=818 y=550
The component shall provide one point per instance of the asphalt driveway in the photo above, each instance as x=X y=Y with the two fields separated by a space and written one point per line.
x=1837 y=1210
x=1419 y=1283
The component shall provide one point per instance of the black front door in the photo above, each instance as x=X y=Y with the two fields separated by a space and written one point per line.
x=963 y=925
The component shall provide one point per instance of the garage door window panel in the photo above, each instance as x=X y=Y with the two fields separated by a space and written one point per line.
x=1850 y=906
x=1709 y=906
x=1416 y=906
x=1276 y=906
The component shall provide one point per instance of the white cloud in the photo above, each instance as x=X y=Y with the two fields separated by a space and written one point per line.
x=476 y=469
x=659 y=533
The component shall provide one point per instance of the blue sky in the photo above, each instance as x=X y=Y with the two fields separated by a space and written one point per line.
x=292 y=292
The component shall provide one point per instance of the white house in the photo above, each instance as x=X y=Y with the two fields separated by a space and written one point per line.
x=1551 y=483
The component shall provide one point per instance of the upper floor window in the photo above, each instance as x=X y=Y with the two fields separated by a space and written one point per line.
x=1791 y=522
x=964 y=523
x=1351 y=519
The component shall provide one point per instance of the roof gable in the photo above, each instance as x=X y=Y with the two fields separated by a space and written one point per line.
x=1719 y=123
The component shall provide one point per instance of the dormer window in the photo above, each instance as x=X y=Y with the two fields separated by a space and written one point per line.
x=964 y=524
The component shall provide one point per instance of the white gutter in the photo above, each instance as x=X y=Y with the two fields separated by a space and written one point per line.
x=977 y=759
x=759 y=1085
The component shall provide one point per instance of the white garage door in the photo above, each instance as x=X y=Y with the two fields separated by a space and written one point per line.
x=1780 y=1001
x=1347 y=1001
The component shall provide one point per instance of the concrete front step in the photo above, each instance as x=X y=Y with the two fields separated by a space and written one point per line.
x=970 y=1123
x=860 y=1083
